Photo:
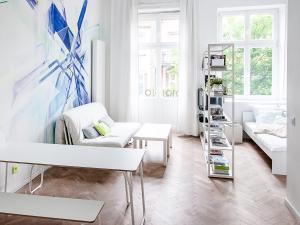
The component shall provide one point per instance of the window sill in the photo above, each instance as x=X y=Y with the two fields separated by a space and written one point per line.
x=257 y=100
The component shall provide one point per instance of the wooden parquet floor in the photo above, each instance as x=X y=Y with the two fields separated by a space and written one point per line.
x=180 y=194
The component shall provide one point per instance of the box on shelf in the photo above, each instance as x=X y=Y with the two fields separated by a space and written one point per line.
x=218 y=60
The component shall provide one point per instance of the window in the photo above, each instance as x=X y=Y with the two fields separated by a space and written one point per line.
x=255 y=34
x=158 y=55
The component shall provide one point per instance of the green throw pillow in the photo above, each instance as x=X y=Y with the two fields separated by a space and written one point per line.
x=102 y=128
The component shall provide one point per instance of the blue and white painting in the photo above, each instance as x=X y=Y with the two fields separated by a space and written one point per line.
x=44 y=68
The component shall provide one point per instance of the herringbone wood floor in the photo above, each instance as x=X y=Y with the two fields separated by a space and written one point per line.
x=181 y=194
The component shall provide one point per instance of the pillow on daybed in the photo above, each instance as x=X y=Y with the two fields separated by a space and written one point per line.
x=266 y=114
x=278 y=130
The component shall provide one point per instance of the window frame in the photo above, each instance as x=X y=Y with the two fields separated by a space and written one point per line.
x=247 y=44
x=158 y=46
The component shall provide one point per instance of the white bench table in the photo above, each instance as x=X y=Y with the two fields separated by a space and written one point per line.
x=50 y=207
x=104 y=158
x=155 y=132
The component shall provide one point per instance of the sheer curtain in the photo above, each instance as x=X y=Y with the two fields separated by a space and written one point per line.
x=123 y=77
x=190 y=67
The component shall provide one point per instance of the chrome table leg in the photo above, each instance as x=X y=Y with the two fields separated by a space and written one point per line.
x=30 y=183
x=165 y=152
x=130 y=184
x=143 y=193
x=6 y=177
x=126 y=190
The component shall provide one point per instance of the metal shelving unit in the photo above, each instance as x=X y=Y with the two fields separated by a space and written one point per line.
x=212 y=128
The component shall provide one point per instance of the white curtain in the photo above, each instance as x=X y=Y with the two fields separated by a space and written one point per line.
x=190 y=68
x=123 y=77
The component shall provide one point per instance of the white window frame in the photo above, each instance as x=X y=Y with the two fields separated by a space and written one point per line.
x=247 y=44
x=158 y=46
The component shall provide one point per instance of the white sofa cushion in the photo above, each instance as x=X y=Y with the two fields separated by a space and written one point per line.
x=78 y=118
x=105 y=141
x=124 y=129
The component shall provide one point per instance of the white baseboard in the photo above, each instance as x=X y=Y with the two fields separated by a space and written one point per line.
x=26 y=181
x=292 y=209
x=17 y=186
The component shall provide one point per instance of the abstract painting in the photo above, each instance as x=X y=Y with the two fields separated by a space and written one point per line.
x=58 y=76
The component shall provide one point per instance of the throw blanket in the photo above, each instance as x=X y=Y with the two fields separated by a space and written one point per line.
x=278 y=130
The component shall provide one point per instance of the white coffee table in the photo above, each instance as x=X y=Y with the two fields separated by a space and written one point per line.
x=155 y=132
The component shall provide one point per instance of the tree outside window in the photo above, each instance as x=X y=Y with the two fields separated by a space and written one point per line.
x=254 y=35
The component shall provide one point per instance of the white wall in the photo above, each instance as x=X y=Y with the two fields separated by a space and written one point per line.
x=208 y=31
x=16 y=39
x=293 y=177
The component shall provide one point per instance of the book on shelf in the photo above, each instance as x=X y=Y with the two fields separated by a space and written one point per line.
x=219 y=160
x=215 y=127
x=216 y=110
x=219 y=164
x=219 y=118
x=224 y=167
x=220 y=145
x=219 y=141
x=223 y=172
x=216 y=152
x=216 y=130
x=216 y=135
x=218 y=61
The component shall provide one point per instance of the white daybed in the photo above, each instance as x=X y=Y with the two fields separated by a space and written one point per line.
x=275 y=147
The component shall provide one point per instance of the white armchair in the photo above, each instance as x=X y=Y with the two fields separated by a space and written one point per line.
x=69 y=127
